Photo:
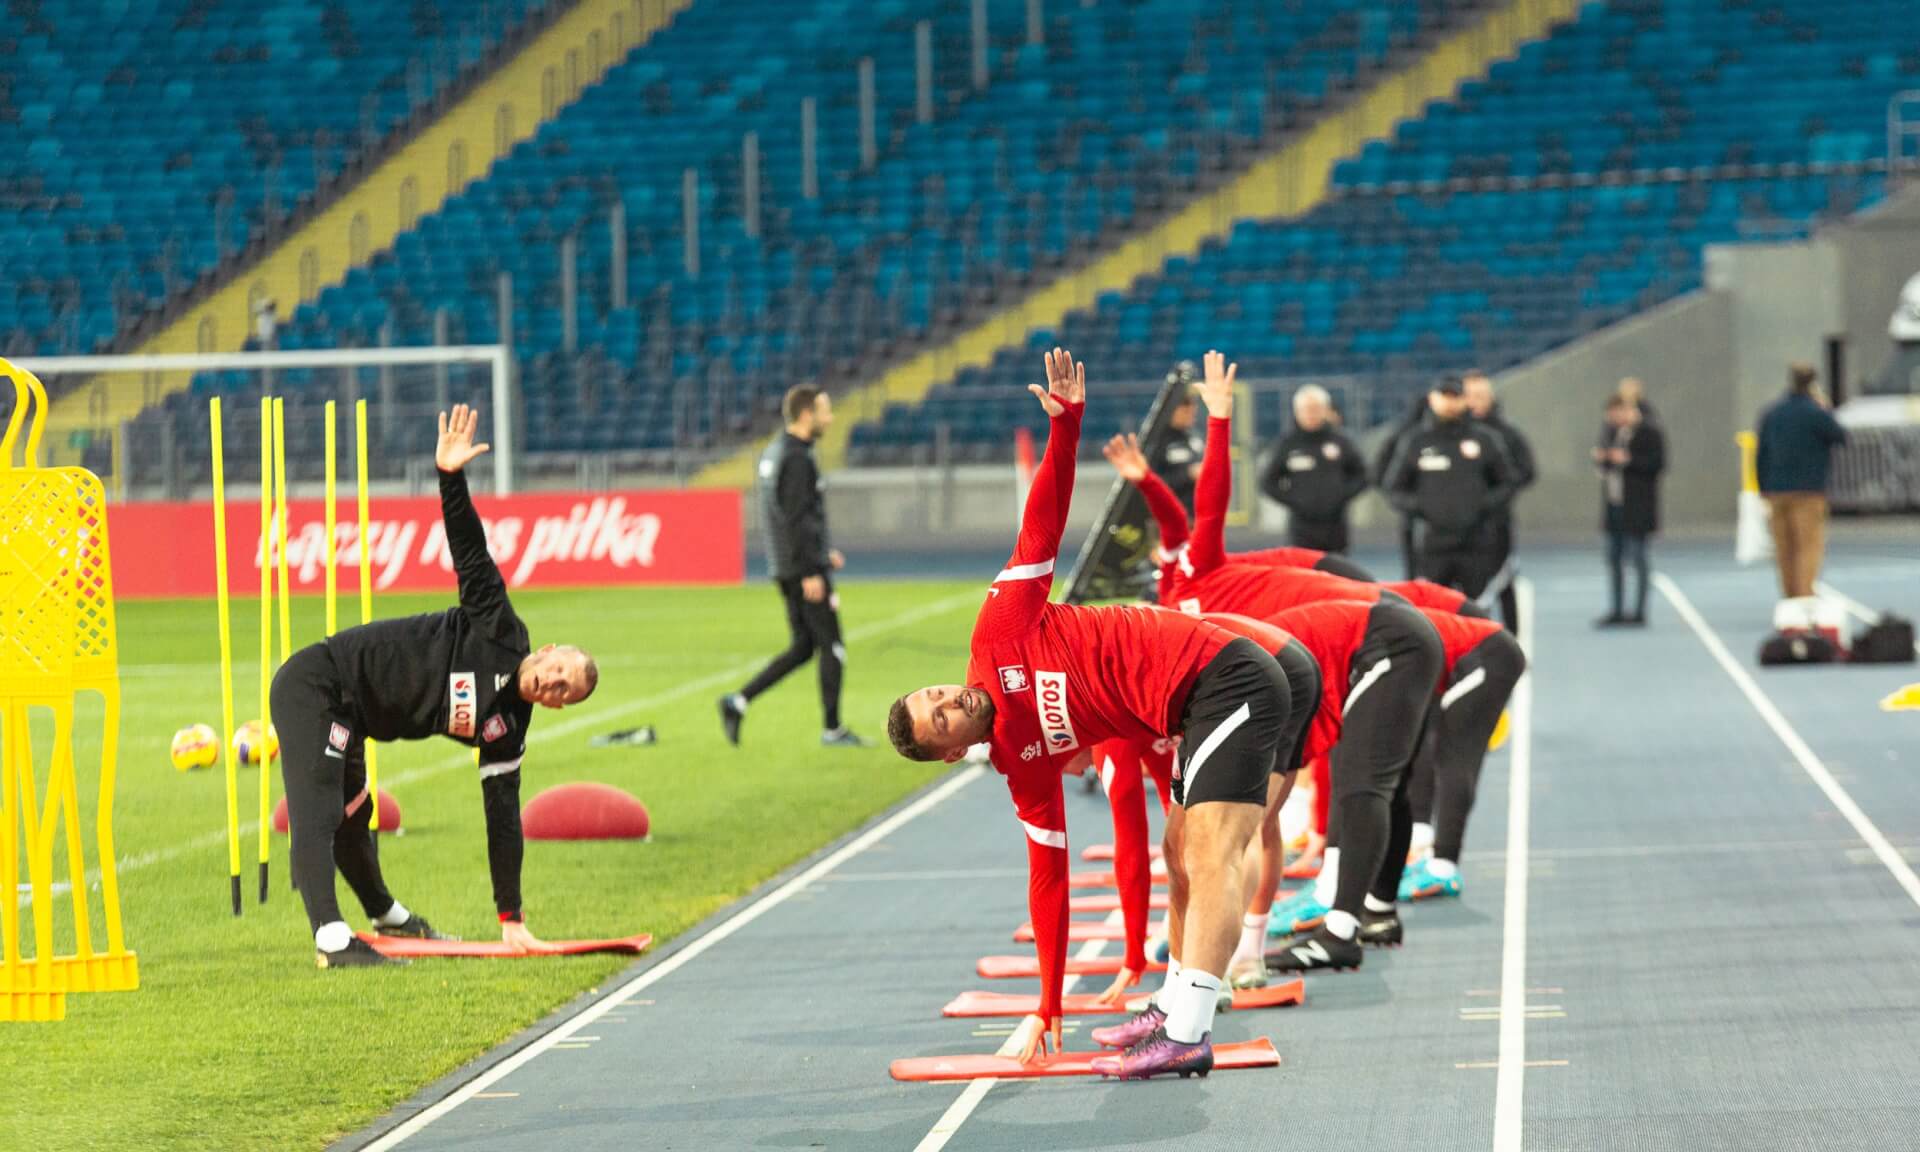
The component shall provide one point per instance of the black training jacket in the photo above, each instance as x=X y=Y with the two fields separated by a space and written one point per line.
x=794 y=509
x=453 y=674
x=1455 y=478
x=1315 y=475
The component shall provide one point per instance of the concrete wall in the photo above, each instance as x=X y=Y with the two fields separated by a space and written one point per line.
x=1680 y=351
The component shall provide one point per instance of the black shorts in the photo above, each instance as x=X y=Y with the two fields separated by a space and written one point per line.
x=1232 y=731
x=1303 y=692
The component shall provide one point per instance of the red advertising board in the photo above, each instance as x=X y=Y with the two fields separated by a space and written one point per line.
x=543 y=540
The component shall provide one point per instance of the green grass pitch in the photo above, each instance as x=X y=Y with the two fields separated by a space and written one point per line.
x=235 y=1041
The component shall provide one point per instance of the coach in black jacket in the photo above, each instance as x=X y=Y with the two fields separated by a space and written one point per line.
x=800 y=560
x=1315 y=472
x=1451 y=476
x=1483 y=407
x=1631 y=457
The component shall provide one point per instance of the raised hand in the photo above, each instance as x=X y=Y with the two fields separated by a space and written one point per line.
x=1066 y=383
x=1123 y=452
x=1216 y=390
x=456 y=448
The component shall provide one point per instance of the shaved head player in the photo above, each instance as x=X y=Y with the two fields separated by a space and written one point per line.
x=468 y=673
x=1047 y=679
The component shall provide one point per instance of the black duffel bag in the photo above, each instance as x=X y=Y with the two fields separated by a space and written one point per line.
x=1887 y=641
x=1798 y=648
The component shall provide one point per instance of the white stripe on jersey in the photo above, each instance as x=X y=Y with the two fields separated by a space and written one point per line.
x=1026 y=571
x=489 y=771
x=1366 y=682
x=1043 y=837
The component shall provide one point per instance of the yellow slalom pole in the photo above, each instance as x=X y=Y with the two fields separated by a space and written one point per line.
x=280 y=499
x=226 y=647
x=267 y=547
x=366 y=577
x=333 y=567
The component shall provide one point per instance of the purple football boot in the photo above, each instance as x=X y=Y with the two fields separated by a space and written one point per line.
x=1158 y=1055
x=1137 y=1028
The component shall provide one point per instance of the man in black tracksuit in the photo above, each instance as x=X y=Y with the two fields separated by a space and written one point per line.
x=1175 y=458
x=1315 y=472
x=1452 y=477
x=801 y=562
x=1482 y=406
x=1383 y=457
x=467 y=673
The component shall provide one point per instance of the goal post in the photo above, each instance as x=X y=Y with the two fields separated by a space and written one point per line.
x=96 y=402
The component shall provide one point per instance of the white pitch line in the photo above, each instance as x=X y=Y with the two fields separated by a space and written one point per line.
x=1510 y=1082
x=692 y=951
x=565 y=727
x=957 y=1113
x=1882 y=848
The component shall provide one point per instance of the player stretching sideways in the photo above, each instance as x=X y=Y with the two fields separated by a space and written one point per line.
x=1046 y=679
x=466 y=673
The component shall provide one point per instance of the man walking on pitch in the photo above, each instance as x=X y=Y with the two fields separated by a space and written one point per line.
x=1045 y=679
x=467 y=673
x=794 y=516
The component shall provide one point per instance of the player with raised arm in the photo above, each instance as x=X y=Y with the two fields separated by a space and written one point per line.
x=1047 y=679
x=467 y=673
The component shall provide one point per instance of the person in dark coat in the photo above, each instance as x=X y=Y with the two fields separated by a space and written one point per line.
x=1315 y=472
x=1175 y=458
x=1452 y=477
x=1797 y=438
x=1630 y=462
x=1483 y=406
x=1397 y=435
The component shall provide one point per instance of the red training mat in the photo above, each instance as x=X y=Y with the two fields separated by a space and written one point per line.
x=1105 y=852
x=1106 y=880
x=1259 y=1053
x=1110 y=903
x=976 y=1004
x=1017 y=967
x=402 y=946
x=1077 y=931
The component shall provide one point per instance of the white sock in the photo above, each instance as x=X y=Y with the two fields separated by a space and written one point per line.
x=1325 y=888
x=332 y=937
x=1163 y=997
x=1442 y=869
x=1194 y=1002
x=738 y=701
x=1375 y=904
x=1343 y=924
x=1253 y=939
x=394 y=916
x=1422 y=837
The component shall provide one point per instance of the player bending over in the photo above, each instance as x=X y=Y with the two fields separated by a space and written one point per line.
x=466 y=673
x=1198 y=574
x=1046 y=679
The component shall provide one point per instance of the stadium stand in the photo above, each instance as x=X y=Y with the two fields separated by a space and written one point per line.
x=153 y=142
x=1498 y=226
x=1113 y=123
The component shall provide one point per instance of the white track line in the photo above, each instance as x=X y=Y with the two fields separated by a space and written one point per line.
x=1866 y=829
x=1854 y=608
x=565 y=727
x=957 y=1113
x=1510 y=1083
x=675 y=962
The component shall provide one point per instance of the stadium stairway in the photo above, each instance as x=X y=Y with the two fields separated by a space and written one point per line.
x=459 y=148
x=1287 y=182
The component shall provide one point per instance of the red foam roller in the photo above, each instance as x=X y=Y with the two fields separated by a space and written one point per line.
x=1257 y=1053
x=1028 y=967
x=1078 y=931
x=972 y=1005
x=1105 y=852
x=389 y=814
x=1108 y=903
x=1106 y=880
x=584 y=811
x=402 y=946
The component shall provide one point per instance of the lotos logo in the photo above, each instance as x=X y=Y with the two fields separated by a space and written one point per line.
x=1056 y=723
x=1013 y=679
x=462 y=705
